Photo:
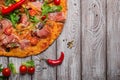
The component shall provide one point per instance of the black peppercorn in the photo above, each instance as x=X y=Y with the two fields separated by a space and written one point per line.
x=7 y=49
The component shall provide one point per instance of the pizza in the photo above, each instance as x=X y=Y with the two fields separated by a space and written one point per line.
x=28 y=27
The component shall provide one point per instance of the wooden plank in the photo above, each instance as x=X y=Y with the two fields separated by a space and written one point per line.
x=113 y=39
x=71 y=67
x=17 y=62
x=50 y=72
x=93 y=39
x=4 y=61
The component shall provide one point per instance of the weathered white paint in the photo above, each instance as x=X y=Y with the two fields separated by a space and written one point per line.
x=71 y=67
x=113 y=39
x=50 y=72
x=93 y=40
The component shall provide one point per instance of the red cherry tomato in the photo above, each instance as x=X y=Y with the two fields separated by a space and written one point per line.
x=31 y=70
x=6 y=72
x=57 y=2
x=8 y=31
x=34 y=41
x=43 y=17
x=23 y=69
x=32 y=12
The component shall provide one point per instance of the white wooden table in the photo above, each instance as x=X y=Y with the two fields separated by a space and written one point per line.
x=94 y=28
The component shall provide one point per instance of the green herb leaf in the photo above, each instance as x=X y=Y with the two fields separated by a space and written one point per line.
x=1 y=68
x=1 y=17
x=27 y=12
x=56 y=9
x=13 y=45
x=29 y=63
x=13 y=17
x=34 y=19
x=12 y=68
x=7 y=2
x=2 y=78
x=46 y=8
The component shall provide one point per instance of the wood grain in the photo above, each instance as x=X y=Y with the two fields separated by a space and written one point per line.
x=93 y=40
x=50 y=72
x=4 y=61
x=71 y=67
x=113 y=39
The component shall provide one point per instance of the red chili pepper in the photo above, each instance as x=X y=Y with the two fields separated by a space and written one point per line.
x=56 y=62
x=12 y=7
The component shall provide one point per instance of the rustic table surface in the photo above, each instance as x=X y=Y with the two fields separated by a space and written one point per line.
x=93 y=29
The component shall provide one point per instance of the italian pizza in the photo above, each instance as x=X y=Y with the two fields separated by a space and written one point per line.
x=28 y=27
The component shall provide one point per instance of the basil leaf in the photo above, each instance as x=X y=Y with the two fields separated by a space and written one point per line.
x=12 y=68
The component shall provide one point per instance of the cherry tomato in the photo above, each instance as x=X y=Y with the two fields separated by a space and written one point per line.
x=31 y=70
x=43 y=17
x=57 y=2
x=6 y=72
x=32 y=12
x=23 y=69
x=34 y=41
x=8 y=31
